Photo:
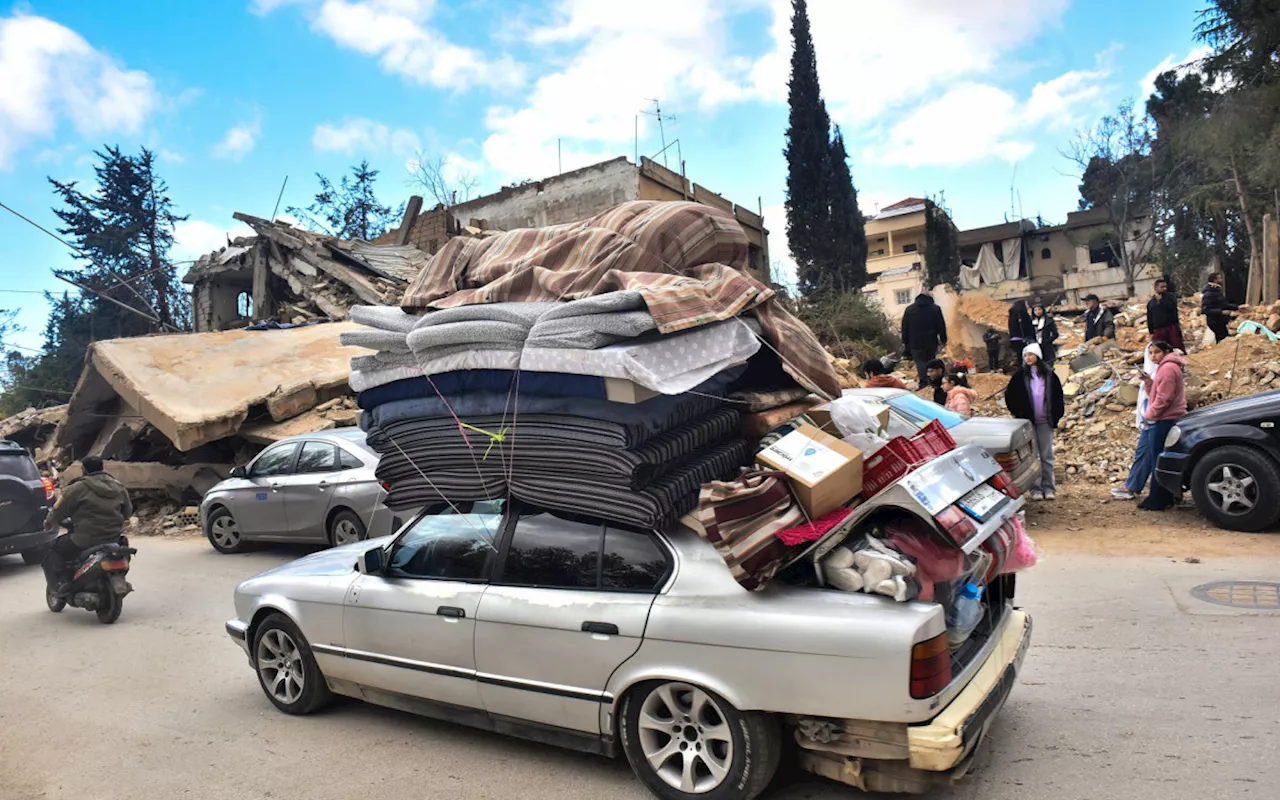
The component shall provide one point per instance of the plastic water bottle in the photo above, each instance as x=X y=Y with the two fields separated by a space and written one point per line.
x=965 y=614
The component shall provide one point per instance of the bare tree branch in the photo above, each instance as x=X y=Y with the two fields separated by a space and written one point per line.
x=437 y=179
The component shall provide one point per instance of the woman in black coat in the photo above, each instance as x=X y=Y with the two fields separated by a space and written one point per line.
x=1034 y=393
x=1046 y=333
x=1021 y=331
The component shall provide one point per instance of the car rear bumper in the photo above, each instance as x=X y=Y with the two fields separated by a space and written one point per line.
x=1171 y=468
x=943 y=743
x=20 y=542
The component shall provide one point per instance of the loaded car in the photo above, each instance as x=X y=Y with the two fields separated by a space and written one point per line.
x=25 y=498
x=1011 y=442
x=317 y=487
x=1228 y=456
x=620 y=641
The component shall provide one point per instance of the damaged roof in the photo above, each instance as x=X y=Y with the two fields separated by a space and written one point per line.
x=196 y=388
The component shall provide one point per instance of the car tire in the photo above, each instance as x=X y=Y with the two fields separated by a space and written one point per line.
x=345 y=527
x=286 y=668
x=1234 y=486
x=223 y=532
x=686 y=742
x=33 y=557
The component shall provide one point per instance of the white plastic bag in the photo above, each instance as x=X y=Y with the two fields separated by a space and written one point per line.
x=857 y=425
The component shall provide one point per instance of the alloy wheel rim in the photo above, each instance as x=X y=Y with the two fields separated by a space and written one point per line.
x=345 y=532
x=280 y=665
x=225 y=531
x=686 y=738
x=1234 y=486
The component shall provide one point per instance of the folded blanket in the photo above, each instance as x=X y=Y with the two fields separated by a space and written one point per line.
x=472 y=381
x=493 y=326
x=374 y=339
x=362 y=381
x=386 y=318
x=593 y=322
x=668 y=364
x=383 y=359
x=665 y=500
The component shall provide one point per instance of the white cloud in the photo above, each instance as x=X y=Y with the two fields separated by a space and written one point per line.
x=1059 y=102
x=874 y=57
x=51 y=73
x=620 y=54
x=360 y=136
x=399 y=34
x=238 y=142
x=172 y=156
x=193 y=238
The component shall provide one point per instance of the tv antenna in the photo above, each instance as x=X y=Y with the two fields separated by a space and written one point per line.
x=657 y=112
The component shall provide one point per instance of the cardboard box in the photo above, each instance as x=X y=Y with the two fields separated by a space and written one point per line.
x=824 y=472
x=821 y=416
x=620 y=390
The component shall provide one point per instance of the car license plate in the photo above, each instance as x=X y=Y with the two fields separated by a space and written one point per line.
x=982 y=501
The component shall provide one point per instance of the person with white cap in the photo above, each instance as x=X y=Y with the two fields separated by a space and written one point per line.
x=1034 y=393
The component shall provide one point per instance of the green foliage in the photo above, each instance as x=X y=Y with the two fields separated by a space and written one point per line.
x=825 y=229
x=941 y=248
x=852 y=324
x=351 y=210
x=122 y=229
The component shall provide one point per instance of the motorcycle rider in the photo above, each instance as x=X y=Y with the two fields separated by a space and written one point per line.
x=97 y=506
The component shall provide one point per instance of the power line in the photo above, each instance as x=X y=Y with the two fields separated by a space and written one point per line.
x=41 y=389
x=22 y=291
x=20 y=347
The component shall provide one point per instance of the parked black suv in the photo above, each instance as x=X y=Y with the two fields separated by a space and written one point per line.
x=24 y=504
x=1228 y=455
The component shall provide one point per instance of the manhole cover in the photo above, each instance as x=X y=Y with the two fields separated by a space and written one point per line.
x=1240 y=594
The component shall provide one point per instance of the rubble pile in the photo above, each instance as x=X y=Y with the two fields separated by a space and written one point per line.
x=33 y=428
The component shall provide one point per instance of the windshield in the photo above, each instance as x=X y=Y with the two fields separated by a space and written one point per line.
x=921 y=412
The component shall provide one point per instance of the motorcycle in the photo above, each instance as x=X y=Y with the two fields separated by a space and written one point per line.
x=98 y=582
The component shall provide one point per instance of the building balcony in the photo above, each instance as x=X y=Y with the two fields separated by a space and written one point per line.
x=878 y=264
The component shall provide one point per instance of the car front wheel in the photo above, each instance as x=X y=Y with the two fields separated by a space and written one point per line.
x=685 y=742
x=286 y=668
x=1235 y=487
x=223 y=532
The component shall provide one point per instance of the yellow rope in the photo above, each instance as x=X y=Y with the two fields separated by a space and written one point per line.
x=494 y=438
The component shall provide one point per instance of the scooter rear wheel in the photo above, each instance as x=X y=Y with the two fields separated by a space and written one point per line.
x=110 y=604
x=55 y=603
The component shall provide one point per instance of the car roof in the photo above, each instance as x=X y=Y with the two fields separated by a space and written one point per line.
x=349 y=435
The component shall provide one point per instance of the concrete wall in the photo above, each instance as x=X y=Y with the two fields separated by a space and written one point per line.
x=565 y=198
x=431 y=230
x=215 y=301
x=887 y=289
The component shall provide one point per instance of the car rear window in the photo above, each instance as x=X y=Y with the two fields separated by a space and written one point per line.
x=19 y=465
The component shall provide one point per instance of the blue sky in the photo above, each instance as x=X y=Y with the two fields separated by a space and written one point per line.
x=933 y=96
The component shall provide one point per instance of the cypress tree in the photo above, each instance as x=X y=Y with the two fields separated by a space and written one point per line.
x=808 y=153
x=847 y=239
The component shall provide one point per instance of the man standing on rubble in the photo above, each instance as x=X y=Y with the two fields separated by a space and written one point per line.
x=1098 y=321
x=924 y=331
x=1162 y=316
x=1214 y=306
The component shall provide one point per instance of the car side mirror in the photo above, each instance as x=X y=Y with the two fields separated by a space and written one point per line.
x=371 y=561
x=239 y=472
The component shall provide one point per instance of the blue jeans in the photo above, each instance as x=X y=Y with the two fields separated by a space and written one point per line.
x=1150 y=445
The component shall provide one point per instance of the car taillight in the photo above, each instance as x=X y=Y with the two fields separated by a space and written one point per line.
x=930 y=667
x=48 y=488
x=958 y=525
x=1004 y=483
x=1008 y=461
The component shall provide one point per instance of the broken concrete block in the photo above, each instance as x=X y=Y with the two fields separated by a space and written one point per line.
x=1072 y=389
x=289 y=404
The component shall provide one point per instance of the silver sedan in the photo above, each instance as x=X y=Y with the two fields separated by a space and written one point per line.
x=318 y=487
x=618 y=641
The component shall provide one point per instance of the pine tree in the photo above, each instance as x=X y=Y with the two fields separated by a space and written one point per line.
x=847 y=240
x=808 y=153
x=941 y=248
x=351 y=210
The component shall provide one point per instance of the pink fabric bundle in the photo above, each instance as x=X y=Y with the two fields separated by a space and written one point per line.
x=815 y=530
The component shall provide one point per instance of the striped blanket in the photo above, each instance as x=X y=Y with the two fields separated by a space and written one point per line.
x=686 y=260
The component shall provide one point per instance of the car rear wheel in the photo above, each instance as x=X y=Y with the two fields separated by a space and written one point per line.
x=684 y=742
x=287 y=670
x=345 y=528
x=224 y=532
x=1235 y=487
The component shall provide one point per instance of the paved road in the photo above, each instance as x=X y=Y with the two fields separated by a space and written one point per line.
x=1132 y=690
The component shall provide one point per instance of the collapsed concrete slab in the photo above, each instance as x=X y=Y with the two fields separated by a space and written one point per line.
x=175 y=481
x=199 y=388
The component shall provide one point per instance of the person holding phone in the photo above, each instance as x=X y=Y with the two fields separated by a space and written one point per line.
x=1166 y=404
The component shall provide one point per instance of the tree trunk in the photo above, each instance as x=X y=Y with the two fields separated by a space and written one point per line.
x=1253 y=293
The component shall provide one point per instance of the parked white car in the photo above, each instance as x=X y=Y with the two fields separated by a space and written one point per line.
x=611 y=640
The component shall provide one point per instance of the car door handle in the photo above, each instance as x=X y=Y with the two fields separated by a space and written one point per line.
x=275 y=487
x=322 y=485
x=451 y=611
x=607 y=628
